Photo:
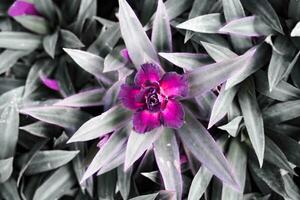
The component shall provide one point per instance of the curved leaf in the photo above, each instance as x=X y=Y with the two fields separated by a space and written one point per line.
x=215 y=74
x=281 y=112
x=49 y=43
x=9 y=58
x=209 y=23
x=113 y=147
x=218 y=53
x=47 y=8
x=161 y=36
x=252 y=118
x=6 y=169
x=196 y=138
x=264 y=9
x=56 y=185
x=9 y=126
x=70 y=40
x=138 y=144
x=87 y=61
x=124 y=181
x=237 y=157
x=259 y=59
x=140 y=49
x=107 y=122
x=221 y=105
x=83 y=99
x=46 y=160
x=277 y=67
x=203 y=177
x=187 y=61
x=233 y=10
x=199 y=8
x=61 y=116
x=252 y=26
x=33 y=23
x=283 y=91
x=19 y=40
x=275 y=156
x=271 y=176
x=296 y=30
x=166 y=152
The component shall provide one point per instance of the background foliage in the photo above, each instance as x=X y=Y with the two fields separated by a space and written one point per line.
x=64 y=68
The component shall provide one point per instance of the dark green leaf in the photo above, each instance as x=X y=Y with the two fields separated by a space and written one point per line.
x=264 y=9
x=10 y=57
x=56 y=185
x=19 y=40
x=49 y=43
x=61 y=116
x=46 y=160
x=168 y=161
x=6 y=168
x=210 y=23
x=34 y=23
x=9 y=126
x=139 y=143
x=161 y=36
x=252 y=118
x=107 y=122
x=196 y=138
x=106 y=184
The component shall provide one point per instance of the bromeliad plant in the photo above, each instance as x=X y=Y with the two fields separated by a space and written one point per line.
x=152 y=100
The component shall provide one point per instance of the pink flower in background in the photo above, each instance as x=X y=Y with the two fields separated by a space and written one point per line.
x=50 y=83
x=22 y=7
x=154 y=98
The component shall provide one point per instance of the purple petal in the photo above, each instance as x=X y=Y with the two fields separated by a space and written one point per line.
x=183 y=159
x=21 y=7
x=173 y=114
x=149 y=72
x=173 y=84
x=127 y=96
x=50 y=83
x=103 y=141
x=124 y=53
x=144 y=121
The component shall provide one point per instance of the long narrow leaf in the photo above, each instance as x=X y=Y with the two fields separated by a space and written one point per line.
x=105 y=123
x=196 y=138
x=137 y=42
x=167 y=158
x=252 y=118
x=215 y=74
x=161 y=36
x=138 y=144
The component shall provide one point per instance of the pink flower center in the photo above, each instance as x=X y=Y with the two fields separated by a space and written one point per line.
x=154 y=100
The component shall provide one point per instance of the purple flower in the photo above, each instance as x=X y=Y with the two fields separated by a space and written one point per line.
x=22 y=7
x=154 y=98
x=50 y=83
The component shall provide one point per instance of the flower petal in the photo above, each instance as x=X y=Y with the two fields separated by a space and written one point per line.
x=144 y=121
x=50 y=83
x=103 y=141
x=173 y=114
x=127 y=96
x=124 y=53
x=173 y=84
x=149 y=72
x=21 y=7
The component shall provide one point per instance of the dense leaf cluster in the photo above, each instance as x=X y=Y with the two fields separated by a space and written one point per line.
x=65 y=135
